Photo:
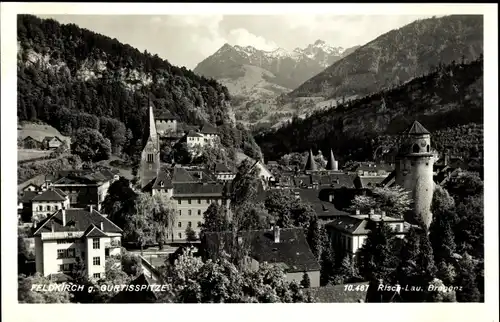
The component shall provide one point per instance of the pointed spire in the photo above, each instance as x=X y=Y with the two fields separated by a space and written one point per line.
x=152 y=126
x=311 y=164
x=417 y=129
x=332 y=163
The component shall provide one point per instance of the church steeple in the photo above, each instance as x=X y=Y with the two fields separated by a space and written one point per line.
x=311 y=164
x=332 y=164
x=153 y=135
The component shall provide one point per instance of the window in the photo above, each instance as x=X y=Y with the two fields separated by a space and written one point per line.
x=179 y=224
x=61 y=268
x=179 y=201
x=150 y=157
x=180 y=235
x=66 y=253
x=427 y=163
x=48 y=208
x=199 y=223
x=428 y=148
x=106 y=252
x=40 y=208
x=96 y=243
x=208 y=200
x=83 y=255
x=189 y=212
x=416 y=149
x=97 y=275
x=96 y=261
x=56 y=208
x=180 y=212
x=199 y=201
x=189 y=201
x=199 y=212
x=189 y=224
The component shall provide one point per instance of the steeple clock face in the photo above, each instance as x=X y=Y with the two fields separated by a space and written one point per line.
x=423 y=144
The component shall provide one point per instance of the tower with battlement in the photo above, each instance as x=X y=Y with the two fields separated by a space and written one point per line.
x=414 y=169
x=150 y=156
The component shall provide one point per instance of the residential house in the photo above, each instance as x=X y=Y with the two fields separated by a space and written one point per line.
x=372 y=169
x=84 y=187
x=210 y=134
x=223 y=173
x=69 y=234
x=166 y=123
x=31 y=143
x=287 y=248
x=52 y=142
x=349 y=233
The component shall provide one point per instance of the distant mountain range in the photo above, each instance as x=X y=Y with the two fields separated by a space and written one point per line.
x=255 y=76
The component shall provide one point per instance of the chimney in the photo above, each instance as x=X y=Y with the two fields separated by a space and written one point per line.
x=358 y=212
x=102 y=226
x=53 y=227
x=63 y=211
x=382 y=215
x=330 y=198
x=276 y=234
x=91 y=208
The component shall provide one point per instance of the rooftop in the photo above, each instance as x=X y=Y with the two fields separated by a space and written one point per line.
x=77 y=220
x=416 y=129
x=292 y=251
x=50 y=195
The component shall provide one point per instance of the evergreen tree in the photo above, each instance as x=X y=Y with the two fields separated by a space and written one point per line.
x=407 y=270
x=327 y=261
x=377 y=260
x=314 y=236
x=425 y=262
x=306 y=281
x=466 y=280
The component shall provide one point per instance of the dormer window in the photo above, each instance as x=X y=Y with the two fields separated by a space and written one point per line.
x=162 y=184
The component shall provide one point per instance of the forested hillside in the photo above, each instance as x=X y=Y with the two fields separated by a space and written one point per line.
x=449 y=97
x=71 y=78
x=397 y=56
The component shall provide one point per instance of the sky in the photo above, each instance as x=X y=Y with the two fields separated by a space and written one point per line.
x=185 y=40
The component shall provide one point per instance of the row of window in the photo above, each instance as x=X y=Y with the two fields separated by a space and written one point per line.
x=48 y=208
x=67 y=241
x=179 y=224
x=207 y=201
x=66 y=267
x=190 y=212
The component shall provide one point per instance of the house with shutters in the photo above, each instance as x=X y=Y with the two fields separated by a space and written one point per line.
x=71 y=235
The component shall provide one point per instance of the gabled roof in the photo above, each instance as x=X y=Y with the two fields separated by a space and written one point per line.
x=323 y=208
x=131 y=295
x=167 y=115
x=180 y=174
x=32 y=138
x=292 y=252
x=198 y=189
x=194 y=134
x=221 y=167
x=94 y=232
x=311 y=164
x=416 y=129
x=28 y=196
x=76 y=220
x=208 y=129
x=162 y=181
x=50 y=195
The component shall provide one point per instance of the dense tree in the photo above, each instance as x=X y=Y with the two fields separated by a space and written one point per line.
x=463 y=184
x=119 y=202
x=220 y=281
x=377 y=259
x=90 y=145
x=466 y=281
x=327 y=261
x=287 y=210
x=191 y=235
x=215 y=219
x=469 y=231
x=395 y=201
x=315 y=235
x=28 y=294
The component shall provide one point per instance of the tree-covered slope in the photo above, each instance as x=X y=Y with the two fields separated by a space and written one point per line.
x=450 y=96
x=397 y=56
x=70 y=77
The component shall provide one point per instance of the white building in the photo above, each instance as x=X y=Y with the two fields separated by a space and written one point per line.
x=349 y=233
x=69 y=234
x=45 y=203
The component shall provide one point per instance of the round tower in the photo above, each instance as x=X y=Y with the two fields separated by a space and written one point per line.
x=415 y=167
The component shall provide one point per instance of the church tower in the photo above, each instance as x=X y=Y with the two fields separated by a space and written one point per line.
x=332 y=165
x=150 y=156
x=310 y=164
x=414 y=169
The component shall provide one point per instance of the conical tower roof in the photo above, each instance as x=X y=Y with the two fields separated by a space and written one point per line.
x=331 y=161
x=416 y=129
x=311 y=164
